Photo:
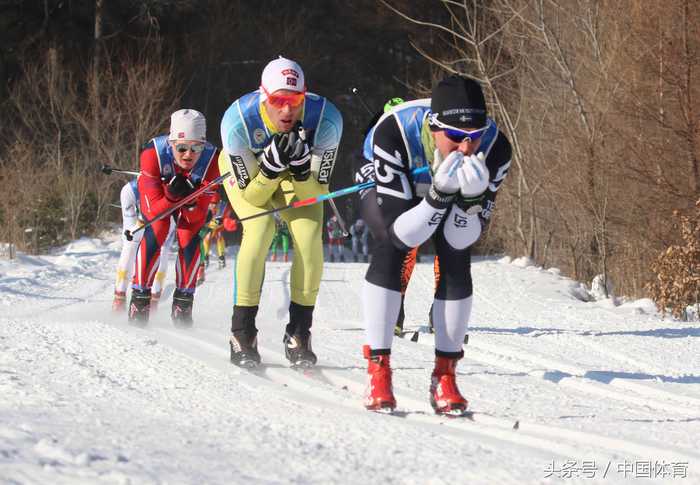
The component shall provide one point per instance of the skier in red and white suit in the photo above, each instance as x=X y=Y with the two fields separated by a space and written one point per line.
x=172 y=167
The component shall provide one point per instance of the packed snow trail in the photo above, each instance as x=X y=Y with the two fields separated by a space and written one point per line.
x=600 y=393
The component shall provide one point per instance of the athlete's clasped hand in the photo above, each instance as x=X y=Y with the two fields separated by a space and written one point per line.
x=179 y=186
x=287 y=150
x=445 y=177
x=275 y=159
x=473 y=176
x=300 y=159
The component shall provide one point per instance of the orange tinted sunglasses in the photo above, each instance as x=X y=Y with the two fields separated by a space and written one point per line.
x=279 y=100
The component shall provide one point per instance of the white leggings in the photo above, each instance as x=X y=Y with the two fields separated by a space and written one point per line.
x=127 y=258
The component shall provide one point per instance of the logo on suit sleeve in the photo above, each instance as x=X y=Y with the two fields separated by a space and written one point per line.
x=460 y=221
x=240 y=171
x=435 y=219
x=326 y=167
x=365 y=173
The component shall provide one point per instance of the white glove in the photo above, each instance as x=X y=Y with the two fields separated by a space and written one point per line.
x=473 y=176
x=445 y=178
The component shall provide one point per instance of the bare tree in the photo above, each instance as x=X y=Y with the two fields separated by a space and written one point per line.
x=602 y=147
x=56 y=147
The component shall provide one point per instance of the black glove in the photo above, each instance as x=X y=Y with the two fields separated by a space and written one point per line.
x=300 y=158
x=276 y=155
x=179 y=187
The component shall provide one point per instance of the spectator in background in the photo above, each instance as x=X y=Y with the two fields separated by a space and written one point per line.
x=280 y=239
x=360 y=237
x=336 y=240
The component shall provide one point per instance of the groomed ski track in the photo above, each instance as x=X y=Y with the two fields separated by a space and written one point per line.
x=582 y=382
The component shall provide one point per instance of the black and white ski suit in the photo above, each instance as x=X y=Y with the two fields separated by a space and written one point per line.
x=401 y=217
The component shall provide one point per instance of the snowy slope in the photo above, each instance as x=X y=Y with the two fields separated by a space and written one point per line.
x=600 y=393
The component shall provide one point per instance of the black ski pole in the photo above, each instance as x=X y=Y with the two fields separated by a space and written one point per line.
x=186 y=200
x=357 y=92
x=107 y=170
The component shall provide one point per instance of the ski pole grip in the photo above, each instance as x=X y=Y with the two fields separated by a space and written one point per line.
x=128 y=235
x=106 y=169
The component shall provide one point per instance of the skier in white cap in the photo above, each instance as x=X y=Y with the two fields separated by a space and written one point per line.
x=172 y=167
x=280 y=142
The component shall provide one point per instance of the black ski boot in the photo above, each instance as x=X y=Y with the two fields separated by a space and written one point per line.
x=139 y=307
x=244 y=341
x=244 y=349
x=222 y=262
x=297 y=336
x=181 y=313
x=297 y=349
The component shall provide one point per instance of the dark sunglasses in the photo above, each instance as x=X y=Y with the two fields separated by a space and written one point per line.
x=457 y=135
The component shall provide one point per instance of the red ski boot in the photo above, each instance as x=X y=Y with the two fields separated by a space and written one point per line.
x=379 y=395
x=444 y=394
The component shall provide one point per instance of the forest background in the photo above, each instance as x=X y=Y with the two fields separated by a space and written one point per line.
x=600 y=100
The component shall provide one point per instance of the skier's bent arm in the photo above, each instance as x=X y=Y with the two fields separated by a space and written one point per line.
x=461 y=230
x=241 y=161
x=260 y=189
x=153 y=200
x=324 y=151
x=323 y=155
x=415 y=226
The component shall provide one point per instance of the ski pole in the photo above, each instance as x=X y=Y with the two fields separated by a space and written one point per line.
x=357 y=92
x=107 y=170
x=331 y=195
x=184 y=201
x=341 y=222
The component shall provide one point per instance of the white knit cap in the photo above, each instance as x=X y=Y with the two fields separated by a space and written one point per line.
x=282 y=74
x=188 y=124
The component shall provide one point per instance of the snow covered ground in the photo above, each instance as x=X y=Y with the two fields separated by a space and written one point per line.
x=562 y=391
